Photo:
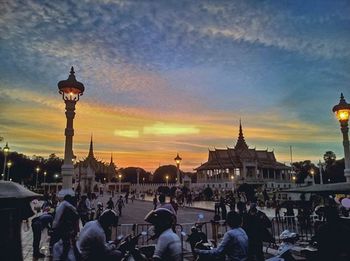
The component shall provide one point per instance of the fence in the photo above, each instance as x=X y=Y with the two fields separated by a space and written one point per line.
x=216 y=230
x=305 y=227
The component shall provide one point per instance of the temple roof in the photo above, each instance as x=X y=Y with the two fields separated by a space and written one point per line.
x=235 y=157
x=241 y=144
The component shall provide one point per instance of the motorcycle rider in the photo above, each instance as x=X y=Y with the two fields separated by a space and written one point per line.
x=168 y=245
x=234 y=244
x=92 y=244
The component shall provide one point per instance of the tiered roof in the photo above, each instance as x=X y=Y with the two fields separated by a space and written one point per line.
x=234 y=157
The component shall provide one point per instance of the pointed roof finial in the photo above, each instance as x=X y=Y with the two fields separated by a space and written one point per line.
x=241 y=144
x=91 y=150
x=72 y=70
x=111 y=158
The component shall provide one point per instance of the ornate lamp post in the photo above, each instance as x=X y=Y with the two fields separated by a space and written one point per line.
x=37 y=174
x=71 y=90
x=178 y=161
x=342 y=111
x=6 y=151
x=9 y=165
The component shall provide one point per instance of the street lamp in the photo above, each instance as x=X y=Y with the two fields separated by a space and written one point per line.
x=37 y=174
x=45 y=173
x=6 y=151
x=9 y=165
x=167 y=180
x=71 y=90
x=120 y=183
x=178 y=161
x=342 y=111
x=312 y=172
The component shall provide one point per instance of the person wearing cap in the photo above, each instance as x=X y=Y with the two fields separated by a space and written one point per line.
x=168 y=245
x=234 y=245
x=92 y=244
x=255 y=223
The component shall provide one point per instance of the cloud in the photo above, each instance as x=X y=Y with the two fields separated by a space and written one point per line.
x=170 y=129
x=127 y=133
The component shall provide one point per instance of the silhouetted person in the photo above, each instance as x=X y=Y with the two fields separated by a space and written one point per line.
x=332 y=238
x=38 y=224
x=110 y=204
x=222 y=207
x=120 y=204
x=255 y=224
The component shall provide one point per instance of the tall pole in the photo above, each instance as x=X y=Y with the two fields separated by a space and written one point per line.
x=9 y=165
x=320 y=166
x=120 y=184
x=342 y=111
x=67 y=167
x=4 y=169
x=36 y=180
x=138 y=181
x=6 y=151
x=345 y=131
x=71 y=90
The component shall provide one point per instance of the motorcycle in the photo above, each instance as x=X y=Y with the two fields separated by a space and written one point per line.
x=284 y=252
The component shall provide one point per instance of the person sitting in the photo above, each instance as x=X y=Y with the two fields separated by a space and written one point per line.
x=92 y=244
x=168 y=245
x=234 y=244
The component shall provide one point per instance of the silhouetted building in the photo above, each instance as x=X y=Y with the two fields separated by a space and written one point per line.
x=90 y=170
x=242 y=164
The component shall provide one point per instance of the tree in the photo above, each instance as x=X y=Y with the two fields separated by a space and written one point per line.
x=329 y=157
x=130 y=174
x=303 y=169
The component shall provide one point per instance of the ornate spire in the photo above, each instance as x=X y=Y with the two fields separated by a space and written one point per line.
x=241 y=144
x=111 y=158
x=91 y=150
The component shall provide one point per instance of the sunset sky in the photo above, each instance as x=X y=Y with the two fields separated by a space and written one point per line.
x=163 y=77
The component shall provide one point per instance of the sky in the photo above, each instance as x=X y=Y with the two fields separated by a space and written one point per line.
x=163 y=77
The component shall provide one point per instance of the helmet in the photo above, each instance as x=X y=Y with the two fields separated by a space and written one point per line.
x=99 y=204
x=160 y=217
x=287 y=235
x=108 y=218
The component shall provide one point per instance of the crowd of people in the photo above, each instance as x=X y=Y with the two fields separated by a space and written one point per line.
x=248 y=229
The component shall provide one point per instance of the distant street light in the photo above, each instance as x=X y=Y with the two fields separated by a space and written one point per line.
x=233 y=182
x=45 y=173
x=167 y=180
x=120 y=183
x=312 y=172
x=71 y=90
x=9 y=165
x=178 y=162
x=342 y=111
x=37 y=174
x=6 y=151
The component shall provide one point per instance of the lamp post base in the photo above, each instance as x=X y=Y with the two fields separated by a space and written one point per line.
x=347 y=175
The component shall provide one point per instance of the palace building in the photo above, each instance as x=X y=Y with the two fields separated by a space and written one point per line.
x=241 y=164
x=91 y=171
